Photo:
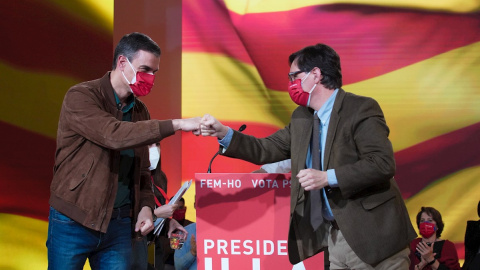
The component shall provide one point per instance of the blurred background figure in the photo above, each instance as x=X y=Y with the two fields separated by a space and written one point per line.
x=284 y=166
x=180 y=212
x=472 y=244
x=162 y=210
x=185 y=258
x=430 y=251
x=179 y=216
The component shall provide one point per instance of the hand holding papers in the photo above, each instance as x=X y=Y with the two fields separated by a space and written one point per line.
x=160 y=222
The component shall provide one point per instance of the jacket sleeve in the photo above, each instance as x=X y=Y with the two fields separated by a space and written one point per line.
x=449 y=258
x=366 y=153
x=146 y=191
x=85 y=115
x=273 y=148
x=146 y=175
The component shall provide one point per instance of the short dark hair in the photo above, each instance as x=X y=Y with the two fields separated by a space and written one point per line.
x=435 y=215
x=323 y=57
x=131 y=43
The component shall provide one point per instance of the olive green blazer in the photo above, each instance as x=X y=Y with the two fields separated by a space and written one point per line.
x=367 y=203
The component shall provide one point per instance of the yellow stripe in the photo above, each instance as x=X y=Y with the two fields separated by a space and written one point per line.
x=230 y=90
x=189 y=197
x=455 y=197
x=33 y=100
x=429 y=98
x=98 y=14
x=263 y=6
x=420 y=102
x=22 y=243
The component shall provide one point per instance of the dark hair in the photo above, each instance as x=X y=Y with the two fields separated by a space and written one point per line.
x=323 y=57
x=435 y=215
x=131 y=43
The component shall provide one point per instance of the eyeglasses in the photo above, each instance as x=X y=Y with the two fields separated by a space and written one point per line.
x=292 y=75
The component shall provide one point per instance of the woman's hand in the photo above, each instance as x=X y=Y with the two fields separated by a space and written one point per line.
x=174 y=225
x=422 y=264
x=193 y=245
x=426 y=251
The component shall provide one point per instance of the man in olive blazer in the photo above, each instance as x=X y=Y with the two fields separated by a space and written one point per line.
x=365 y=201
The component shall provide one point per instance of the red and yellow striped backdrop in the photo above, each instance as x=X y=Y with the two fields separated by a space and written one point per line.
x=419 y=60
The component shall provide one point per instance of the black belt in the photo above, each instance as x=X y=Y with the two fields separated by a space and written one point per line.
x=122 y=212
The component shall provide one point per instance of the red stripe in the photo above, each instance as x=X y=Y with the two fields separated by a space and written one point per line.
x=27 y=168
x=26 y=164
x=206 y=27
x=199 y=151
x=44 y=38
x=426 y=162
x=460 y=247
x=417 y=166
x=370 y=40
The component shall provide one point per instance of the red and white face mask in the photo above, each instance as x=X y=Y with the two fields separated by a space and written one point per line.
x=427 y=229
x=297 y=94
x=141 y=84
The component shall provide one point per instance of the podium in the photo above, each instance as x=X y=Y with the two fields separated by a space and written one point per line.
x=243 y=222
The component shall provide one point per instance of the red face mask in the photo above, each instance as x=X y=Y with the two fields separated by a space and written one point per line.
x=427 y=229
x=142 y=83
x=297 y=94
x=179 y=214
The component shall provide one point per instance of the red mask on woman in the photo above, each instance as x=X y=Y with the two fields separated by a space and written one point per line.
x=179 y=214
x=427 y=229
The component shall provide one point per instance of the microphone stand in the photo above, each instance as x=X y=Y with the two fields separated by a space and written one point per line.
x=210 y=165
x=242 y=128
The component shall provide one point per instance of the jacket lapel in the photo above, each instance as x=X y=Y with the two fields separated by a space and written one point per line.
x=305 y=136
x=303 y=125
x=332 y=126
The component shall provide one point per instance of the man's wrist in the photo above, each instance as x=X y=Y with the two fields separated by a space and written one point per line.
x=176 y=123
x=145 y=210
x=431 y=262
x=154 y=217
x=223 y=133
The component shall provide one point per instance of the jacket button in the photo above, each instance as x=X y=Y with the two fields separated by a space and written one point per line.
x=83 y=175
x=93 y=224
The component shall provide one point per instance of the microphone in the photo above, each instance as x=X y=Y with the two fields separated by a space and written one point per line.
x=242 y=128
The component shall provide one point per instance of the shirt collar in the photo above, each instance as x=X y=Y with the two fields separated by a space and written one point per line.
x=130 y=102
x=326 y=109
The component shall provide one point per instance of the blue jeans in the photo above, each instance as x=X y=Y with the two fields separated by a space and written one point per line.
x=70 y=244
